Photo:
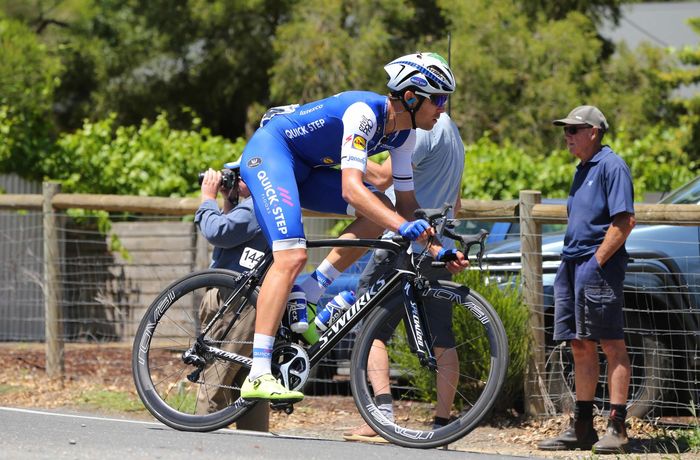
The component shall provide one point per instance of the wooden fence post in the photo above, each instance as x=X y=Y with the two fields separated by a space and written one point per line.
x=55 y=366
x=531 y=256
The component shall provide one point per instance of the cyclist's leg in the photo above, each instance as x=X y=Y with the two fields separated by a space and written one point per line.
x=215 y=397
x=266 y=166
x=378 y=360
x=439 y=316
x=229 y=374
x=331 y=201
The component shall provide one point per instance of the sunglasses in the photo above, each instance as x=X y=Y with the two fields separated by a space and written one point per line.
x=439 y=100
x=572 y=130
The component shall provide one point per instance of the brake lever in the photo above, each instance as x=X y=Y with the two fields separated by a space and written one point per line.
x=470 y=240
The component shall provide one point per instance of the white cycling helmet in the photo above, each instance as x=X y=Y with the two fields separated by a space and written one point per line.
x=422 y=73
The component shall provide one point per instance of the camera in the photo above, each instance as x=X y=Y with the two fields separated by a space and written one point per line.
x=228 y=179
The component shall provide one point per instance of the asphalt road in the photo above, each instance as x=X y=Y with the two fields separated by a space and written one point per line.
x=33 y=434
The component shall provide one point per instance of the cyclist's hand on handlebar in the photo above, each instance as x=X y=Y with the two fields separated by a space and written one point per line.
x=454 y=260
x=414 y=229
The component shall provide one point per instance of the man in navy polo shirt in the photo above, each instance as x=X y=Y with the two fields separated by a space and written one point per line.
x=588 y=286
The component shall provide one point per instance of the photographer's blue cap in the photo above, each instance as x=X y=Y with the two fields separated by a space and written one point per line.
x=233 y=165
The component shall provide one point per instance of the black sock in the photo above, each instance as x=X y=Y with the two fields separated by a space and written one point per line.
x=583 y=410
x=618 y=412
x=383 y=399
x=440 y=421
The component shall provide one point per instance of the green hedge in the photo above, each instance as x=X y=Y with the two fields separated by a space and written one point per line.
x=658 y=160
x=151 y=159
x=154 y=159
x=468 y=333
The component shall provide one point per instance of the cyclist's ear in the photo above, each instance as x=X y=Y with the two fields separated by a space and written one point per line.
x=410 y=98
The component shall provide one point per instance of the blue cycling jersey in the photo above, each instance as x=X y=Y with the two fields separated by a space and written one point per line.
x=287 y=163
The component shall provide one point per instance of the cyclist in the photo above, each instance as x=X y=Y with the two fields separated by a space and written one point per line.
x=286 y=165
x=238 y=243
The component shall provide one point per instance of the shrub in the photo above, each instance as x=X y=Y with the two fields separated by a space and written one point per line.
x=151 y=159
x=514 y=315
x=659 y=162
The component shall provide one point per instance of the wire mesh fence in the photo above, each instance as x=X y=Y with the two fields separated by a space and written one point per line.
x=661 y=314
x=110 y=274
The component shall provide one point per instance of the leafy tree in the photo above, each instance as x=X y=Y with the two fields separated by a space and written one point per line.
x=511 y=79
x=514 y=75
x=28 y=77
x=686 y=111
x=329 y=46
x=137 y=58
x=597 y=10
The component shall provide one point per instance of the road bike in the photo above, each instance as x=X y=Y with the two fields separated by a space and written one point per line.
x=180 y=360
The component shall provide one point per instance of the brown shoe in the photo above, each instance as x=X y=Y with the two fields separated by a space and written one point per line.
x=363 y=433
x=614 y=441
x=579 y=435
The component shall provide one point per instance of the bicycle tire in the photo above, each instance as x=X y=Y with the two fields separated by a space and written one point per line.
x=169 y=327
x=483 y=362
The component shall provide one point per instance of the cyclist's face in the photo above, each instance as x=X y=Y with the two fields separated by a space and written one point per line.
x=428 y=114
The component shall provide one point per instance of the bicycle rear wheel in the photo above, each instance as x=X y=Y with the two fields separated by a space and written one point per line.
x=204 y=394
x=481 y=349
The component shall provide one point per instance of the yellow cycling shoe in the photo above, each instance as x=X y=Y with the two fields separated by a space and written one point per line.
x=268 y=387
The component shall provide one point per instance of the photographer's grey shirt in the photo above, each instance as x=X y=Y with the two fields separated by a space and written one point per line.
x=237 y=238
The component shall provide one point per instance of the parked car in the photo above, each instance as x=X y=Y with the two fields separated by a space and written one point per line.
x=662 y=314
x=500 y=231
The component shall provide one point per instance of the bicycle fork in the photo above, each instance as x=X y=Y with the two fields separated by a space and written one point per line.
x=417 y=329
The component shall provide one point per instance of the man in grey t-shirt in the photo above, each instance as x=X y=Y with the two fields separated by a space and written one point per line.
x=438 y=163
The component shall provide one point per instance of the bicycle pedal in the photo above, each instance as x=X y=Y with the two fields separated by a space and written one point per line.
x=194 y=376
x=288 y=408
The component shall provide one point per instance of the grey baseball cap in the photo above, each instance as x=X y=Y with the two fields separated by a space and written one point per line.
x=584 y=115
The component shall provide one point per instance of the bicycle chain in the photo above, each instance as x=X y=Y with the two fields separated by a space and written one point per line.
x=244 y=342
x=221 y=385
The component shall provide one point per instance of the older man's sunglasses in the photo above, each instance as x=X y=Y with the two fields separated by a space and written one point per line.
x=572 y=130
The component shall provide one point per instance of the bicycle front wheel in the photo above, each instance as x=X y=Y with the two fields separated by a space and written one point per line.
x=462 y=389
x=180 y=384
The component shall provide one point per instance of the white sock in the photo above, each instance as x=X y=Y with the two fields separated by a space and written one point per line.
x=262 y=356
x=385 y=406
x=315 y=285
x=387 y=410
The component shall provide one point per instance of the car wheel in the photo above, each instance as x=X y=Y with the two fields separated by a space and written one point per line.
x=651 y=363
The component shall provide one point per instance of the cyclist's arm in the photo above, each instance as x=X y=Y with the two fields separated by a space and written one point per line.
x=366 y=203
x=359 y=126
x=379 y=175
x=402 y=177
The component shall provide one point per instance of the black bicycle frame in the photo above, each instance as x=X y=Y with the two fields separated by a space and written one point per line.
x=414 y=314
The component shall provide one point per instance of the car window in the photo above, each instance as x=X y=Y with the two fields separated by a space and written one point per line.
x=514 y=231
x=687 y=194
